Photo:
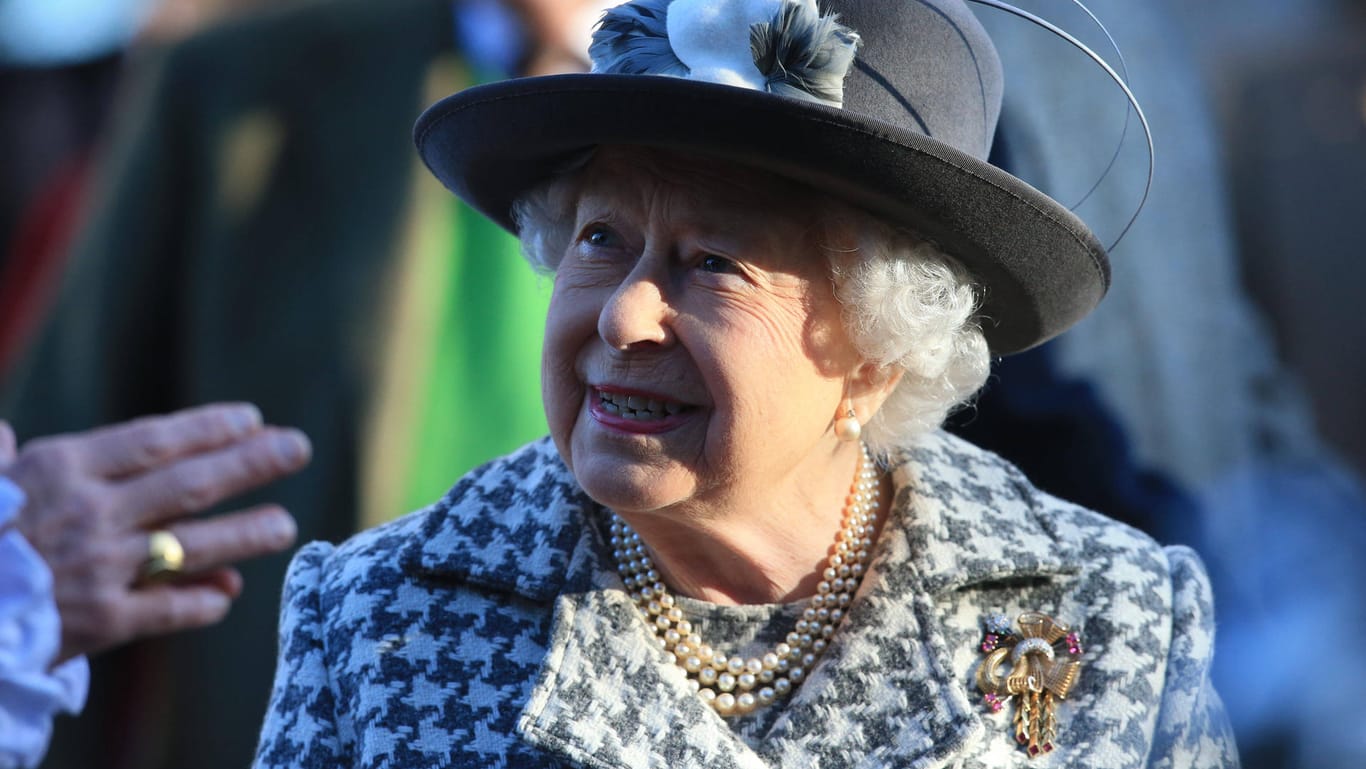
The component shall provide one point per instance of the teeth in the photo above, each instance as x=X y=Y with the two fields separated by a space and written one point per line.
x=636 y=407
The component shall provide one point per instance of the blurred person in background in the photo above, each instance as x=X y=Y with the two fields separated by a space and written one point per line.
x=61 y=62
x=257 y=230
x=1174 y=406
x=99 y=545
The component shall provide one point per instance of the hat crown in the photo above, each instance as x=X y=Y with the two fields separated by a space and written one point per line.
x=925 y=66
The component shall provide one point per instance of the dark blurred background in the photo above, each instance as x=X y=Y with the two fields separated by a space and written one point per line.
x=216 y=199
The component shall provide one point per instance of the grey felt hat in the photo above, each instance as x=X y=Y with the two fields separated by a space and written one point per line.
x=888 y=104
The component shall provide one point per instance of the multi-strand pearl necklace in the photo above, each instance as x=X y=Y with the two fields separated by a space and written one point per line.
x=737 y=685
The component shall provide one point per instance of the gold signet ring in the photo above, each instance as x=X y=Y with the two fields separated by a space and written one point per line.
x=165 y=556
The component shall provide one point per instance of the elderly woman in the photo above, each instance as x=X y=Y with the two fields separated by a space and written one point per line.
x=745 y=542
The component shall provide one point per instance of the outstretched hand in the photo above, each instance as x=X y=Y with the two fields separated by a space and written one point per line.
x=94 y=499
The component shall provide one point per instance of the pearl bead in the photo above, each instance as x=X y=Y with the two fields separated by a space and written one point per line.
x=707 y=695
x=753 y=666
x=692 y=664
x=735 y=665
x=769 y=661
x=781 y=687
x=725 y=682
x=725 y=703
x=746 y=681
x=707 y=676
x=745 y=702
x=766 y=677
x=767 y=696
x=795 y=675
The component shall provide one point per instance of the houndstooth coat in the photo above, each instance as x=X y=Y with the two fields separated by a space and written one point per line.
x=491 y=630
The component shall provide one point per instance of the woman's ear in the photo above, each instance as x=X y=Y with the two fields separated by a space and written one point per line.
x=867 y=388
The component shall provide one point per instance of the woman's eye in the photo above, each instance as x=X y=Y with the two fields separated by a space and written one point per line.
x=599 y=236
x=719 y=264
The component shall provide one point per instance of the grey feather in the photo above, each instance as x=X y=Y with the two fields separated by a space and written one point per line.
x=803 y=55
x=633 y=39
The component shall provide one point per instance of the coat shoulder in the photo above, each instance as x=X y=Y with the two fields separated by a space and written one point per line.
x=509 y=525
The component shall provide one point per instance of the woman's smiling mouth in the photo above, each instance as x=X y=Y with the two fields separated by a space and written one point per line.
x=634 y=411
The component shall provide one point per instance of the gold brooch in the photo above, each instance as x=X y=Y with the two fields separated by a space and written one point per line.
x=1045 y=659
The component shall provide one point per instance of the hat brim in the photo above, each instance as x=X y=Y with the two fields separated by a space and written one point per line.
x=1042 y=269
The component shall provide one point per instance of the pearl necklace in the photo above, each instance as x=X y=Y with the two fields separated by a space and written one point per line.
x=737 y=685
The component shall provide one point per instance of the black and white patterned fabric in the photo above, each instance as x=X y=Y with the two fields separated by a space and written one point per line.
x=491 y=630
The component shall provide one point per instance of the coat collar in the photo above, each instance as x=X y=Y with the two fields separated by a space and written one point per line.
x=973 y=518
x=886 y=690
x=509 y=526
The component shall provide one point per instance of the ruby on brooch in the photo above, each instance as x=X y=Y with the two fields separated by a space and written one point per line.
x=1045 y=659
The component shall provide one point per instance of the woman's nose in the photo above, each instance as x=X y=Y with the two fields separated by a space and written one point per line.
x=636 y=315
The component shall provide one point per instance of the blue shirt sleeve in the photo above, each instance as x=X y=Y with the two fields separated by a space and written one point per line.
x=31 y=690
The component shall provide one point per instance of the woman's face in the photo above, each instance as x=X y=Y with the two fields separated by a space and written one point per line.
x=694 y=349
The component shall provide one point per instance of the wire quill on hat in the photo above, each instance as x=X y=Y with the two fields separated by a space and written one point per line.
x=1120 y=81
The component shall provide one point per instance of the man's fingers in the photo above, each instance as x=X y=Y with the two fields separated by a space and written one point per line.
x=227 y=539
x=161 y=609
x=193 y=484
x=151 y=442
x=226 y=580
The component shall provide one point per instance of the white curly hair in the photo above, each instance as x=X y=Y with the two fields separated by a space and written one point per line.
x=907 y=306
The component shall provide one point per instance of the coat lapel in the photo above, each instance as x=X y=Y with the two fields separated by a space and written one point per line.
x=890 y=690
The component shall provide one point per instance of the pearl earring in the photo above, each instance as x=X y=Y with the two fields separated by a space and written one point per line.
x=848 y=428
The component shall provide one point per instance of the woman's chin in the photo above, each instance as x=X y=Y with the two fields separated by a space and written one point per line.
x=624 y=482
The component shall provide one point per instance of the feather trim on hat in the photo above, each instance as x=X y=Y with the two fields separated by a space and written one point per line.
x=632 y=39
x=804 y=55
x=784 y=47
